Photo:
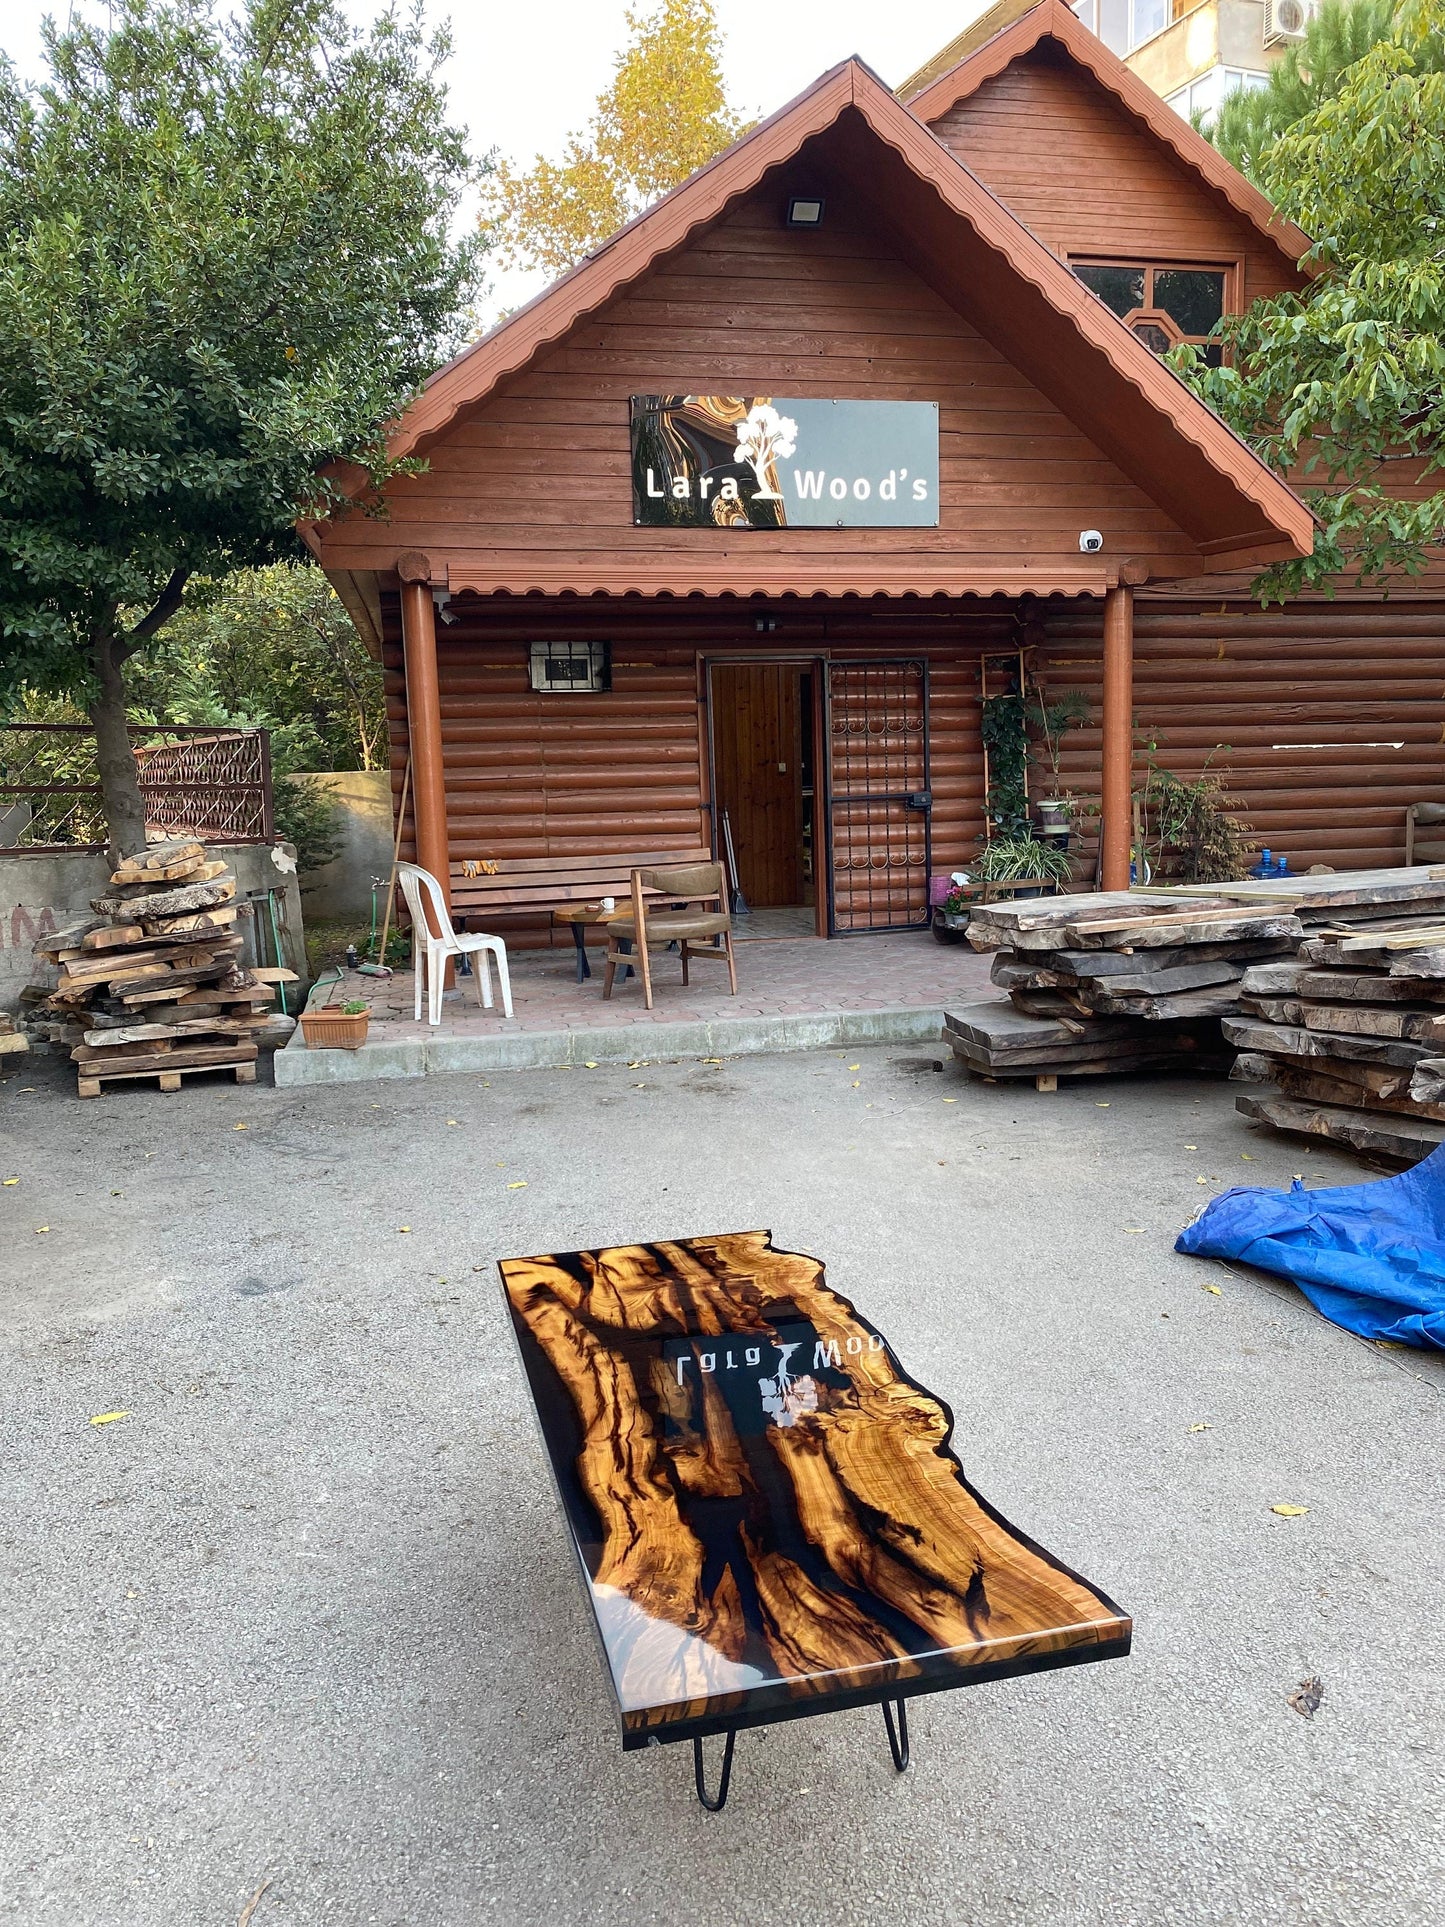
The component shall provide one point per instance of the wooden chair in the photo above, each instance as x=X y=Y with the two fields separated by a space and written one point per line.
x=692 y=884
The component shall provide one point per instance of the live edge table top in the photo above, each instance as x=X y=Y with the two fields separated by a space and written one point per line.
x=766 y=1510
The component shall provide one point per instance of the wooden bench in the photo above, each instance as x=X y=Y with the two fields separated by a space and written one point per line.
x=493 y=888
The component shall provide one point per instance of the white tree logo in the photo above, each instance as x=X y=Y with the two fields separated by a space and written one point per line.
x=763 y=436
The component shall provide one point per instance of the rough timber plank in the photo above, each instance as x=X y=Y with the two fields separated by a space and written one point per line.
x=1373 y=1020
x=1209 y=928
x=1375 y=987
x=1341 y=889
x=1284 y=1040
x=1407 y=1138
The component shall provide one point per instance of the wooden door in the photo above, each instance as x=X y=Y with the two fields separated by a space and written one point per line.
x=878 y=799
x=757 y=736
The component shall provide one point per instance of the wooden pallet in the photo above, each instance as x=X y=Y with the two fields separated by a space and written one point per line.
x=90 y=1079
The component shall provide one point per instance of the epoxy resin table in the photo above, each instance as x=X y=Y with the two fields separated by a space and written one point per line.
x=768 y=1517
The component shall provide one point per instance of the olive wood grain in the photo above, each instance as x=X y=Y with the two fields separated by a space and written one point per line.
x=765 y=1505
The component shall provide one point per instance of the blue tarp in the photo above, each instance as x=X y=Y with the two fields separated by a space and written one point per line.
x=1369 y=1256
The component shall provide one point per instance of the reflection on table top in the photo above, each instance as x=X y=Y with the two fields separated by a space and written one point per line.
x=765 y=1506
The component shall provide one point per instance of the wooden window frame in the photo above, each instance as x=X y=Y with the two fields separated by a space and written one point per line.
x=1233 y=272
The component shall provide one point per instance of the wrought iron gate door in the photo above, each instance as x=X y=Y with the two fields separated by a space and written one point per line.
x=878 y=796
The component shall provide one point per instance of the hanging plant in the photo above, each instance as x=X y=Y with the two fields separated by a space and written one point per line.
x=1004 y=729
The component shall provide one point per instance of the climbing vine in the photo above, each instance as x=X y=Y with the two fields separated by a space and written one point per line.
x=1004 y=730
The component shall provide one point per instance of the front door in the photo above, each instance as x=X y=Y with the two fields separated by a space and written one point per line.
x=878 y=796
x=762 y=741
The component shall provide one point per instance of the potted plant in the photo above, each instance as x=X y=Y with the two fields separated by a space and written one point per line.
x=1021 y=858
x=1054 y=720
x=336 y=1026
x=950 y=918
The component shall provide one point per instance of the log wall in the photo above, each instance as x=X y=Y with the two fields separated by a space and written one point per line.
x=532 y=775
x=1297 y=709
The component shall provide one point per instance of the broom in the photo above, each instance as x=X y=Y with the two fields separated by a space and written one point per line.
x=381 y=968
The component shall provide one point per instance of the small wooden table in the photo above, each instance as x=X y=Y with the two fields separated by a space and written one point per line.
x=579 y=915
x=764 y=1505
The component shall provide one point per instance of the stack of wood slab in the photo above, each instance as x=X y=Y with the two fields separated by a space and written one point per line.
x=1104 y=984
x=1347 y=1040
x=12 y=1039
x=152 y=985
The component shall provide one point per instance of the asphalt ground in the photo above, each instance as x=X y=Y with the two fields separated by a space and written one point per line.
x=306 y=1614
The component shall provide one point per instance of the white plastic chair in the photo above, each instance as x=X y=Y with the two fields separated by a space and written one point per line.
x=427 y=906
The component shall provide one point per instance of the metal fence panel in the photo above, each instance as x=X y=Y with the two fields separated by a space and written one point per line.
x=214 y=784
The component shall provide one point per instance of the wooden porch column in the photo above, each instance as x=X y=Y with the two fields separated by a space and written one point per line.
x=1118 y=733
x=424 y=719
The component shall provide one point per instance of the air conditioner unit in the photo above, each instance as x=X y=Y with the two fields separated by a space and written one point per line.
x=1286 y=20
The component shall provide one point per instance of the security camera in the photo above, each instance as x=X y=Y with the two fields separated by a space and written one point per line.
x=1090 y=541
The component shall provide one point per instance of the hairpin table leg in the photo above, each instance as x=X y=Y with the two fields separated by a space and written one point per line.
x=717 y=1805
x=897 y=1741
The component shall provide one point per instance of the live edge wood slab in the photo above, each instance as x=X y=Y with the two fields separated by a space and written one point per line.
x=768 y=1516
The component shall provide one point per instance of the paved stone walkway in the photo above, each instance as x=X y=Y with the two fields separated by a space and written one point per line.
x=789 y=978
x=792 y=994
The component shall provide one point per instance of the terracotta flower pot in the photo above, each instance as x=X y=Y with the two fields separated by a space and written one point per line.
x=333 y=1030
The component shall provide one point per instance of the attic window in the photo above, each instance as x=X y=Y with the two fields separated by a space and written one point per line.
x=1162 y=305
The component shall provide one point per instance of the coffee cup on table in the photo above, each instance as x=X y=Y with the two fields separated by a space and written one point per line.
x=609 y=903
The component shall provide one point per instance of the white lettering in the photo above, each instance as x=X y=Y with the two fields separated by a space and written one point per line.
x=680 y=1363
x=875 y=1343
x=888 y=487
x=753 y=1355
x=680 y=489
x=703 y=486
x=708 y=1361
x=809 y=484
x=652 y=489
x=826 y=1354
x=729 y=490
x=855 y=1344
x=862 y=489
x=920 y=490
x=837 y=488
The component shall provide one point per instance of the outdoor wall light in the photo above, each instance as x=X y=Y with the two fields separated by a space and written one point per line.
x=805 y=210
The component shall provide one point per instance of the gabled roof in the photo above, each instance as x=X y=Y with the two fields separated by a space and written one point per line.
x=963 y=44
x=947 y=226
x=1051 y=21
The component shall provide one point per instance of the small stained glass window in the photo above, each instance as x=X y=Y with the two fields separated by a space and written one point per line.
x=1193 y=297
x=1121 y=289
x=1162 y=305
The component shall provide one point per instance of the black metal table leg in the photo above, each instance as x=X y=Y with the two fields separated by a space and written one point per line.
x=717 y=1805
x=897 y=1741
x=579 y=937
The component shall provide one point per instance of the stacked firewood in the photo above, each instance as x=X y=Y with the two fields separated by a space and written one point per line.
x=1347 y=1041
x=1135 y=980
x=152 y=986
x=11 y=1037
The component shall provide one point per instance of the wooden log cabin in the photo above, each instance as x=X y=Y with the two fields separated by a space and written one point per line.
x=652 y=571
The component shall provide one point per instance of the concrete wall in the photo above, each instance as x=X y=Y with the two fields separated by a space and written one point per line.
x=43 y=891
x=342 y=888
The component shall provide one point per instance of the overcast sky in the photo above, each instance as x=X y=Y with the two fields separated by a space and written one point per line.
x=526 y=72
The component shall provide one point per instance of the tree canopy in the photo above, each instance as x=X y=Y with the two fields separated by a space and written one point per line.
x=225 y=262
x=1344 y=384
x=1307 y=74
x=665 y=115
